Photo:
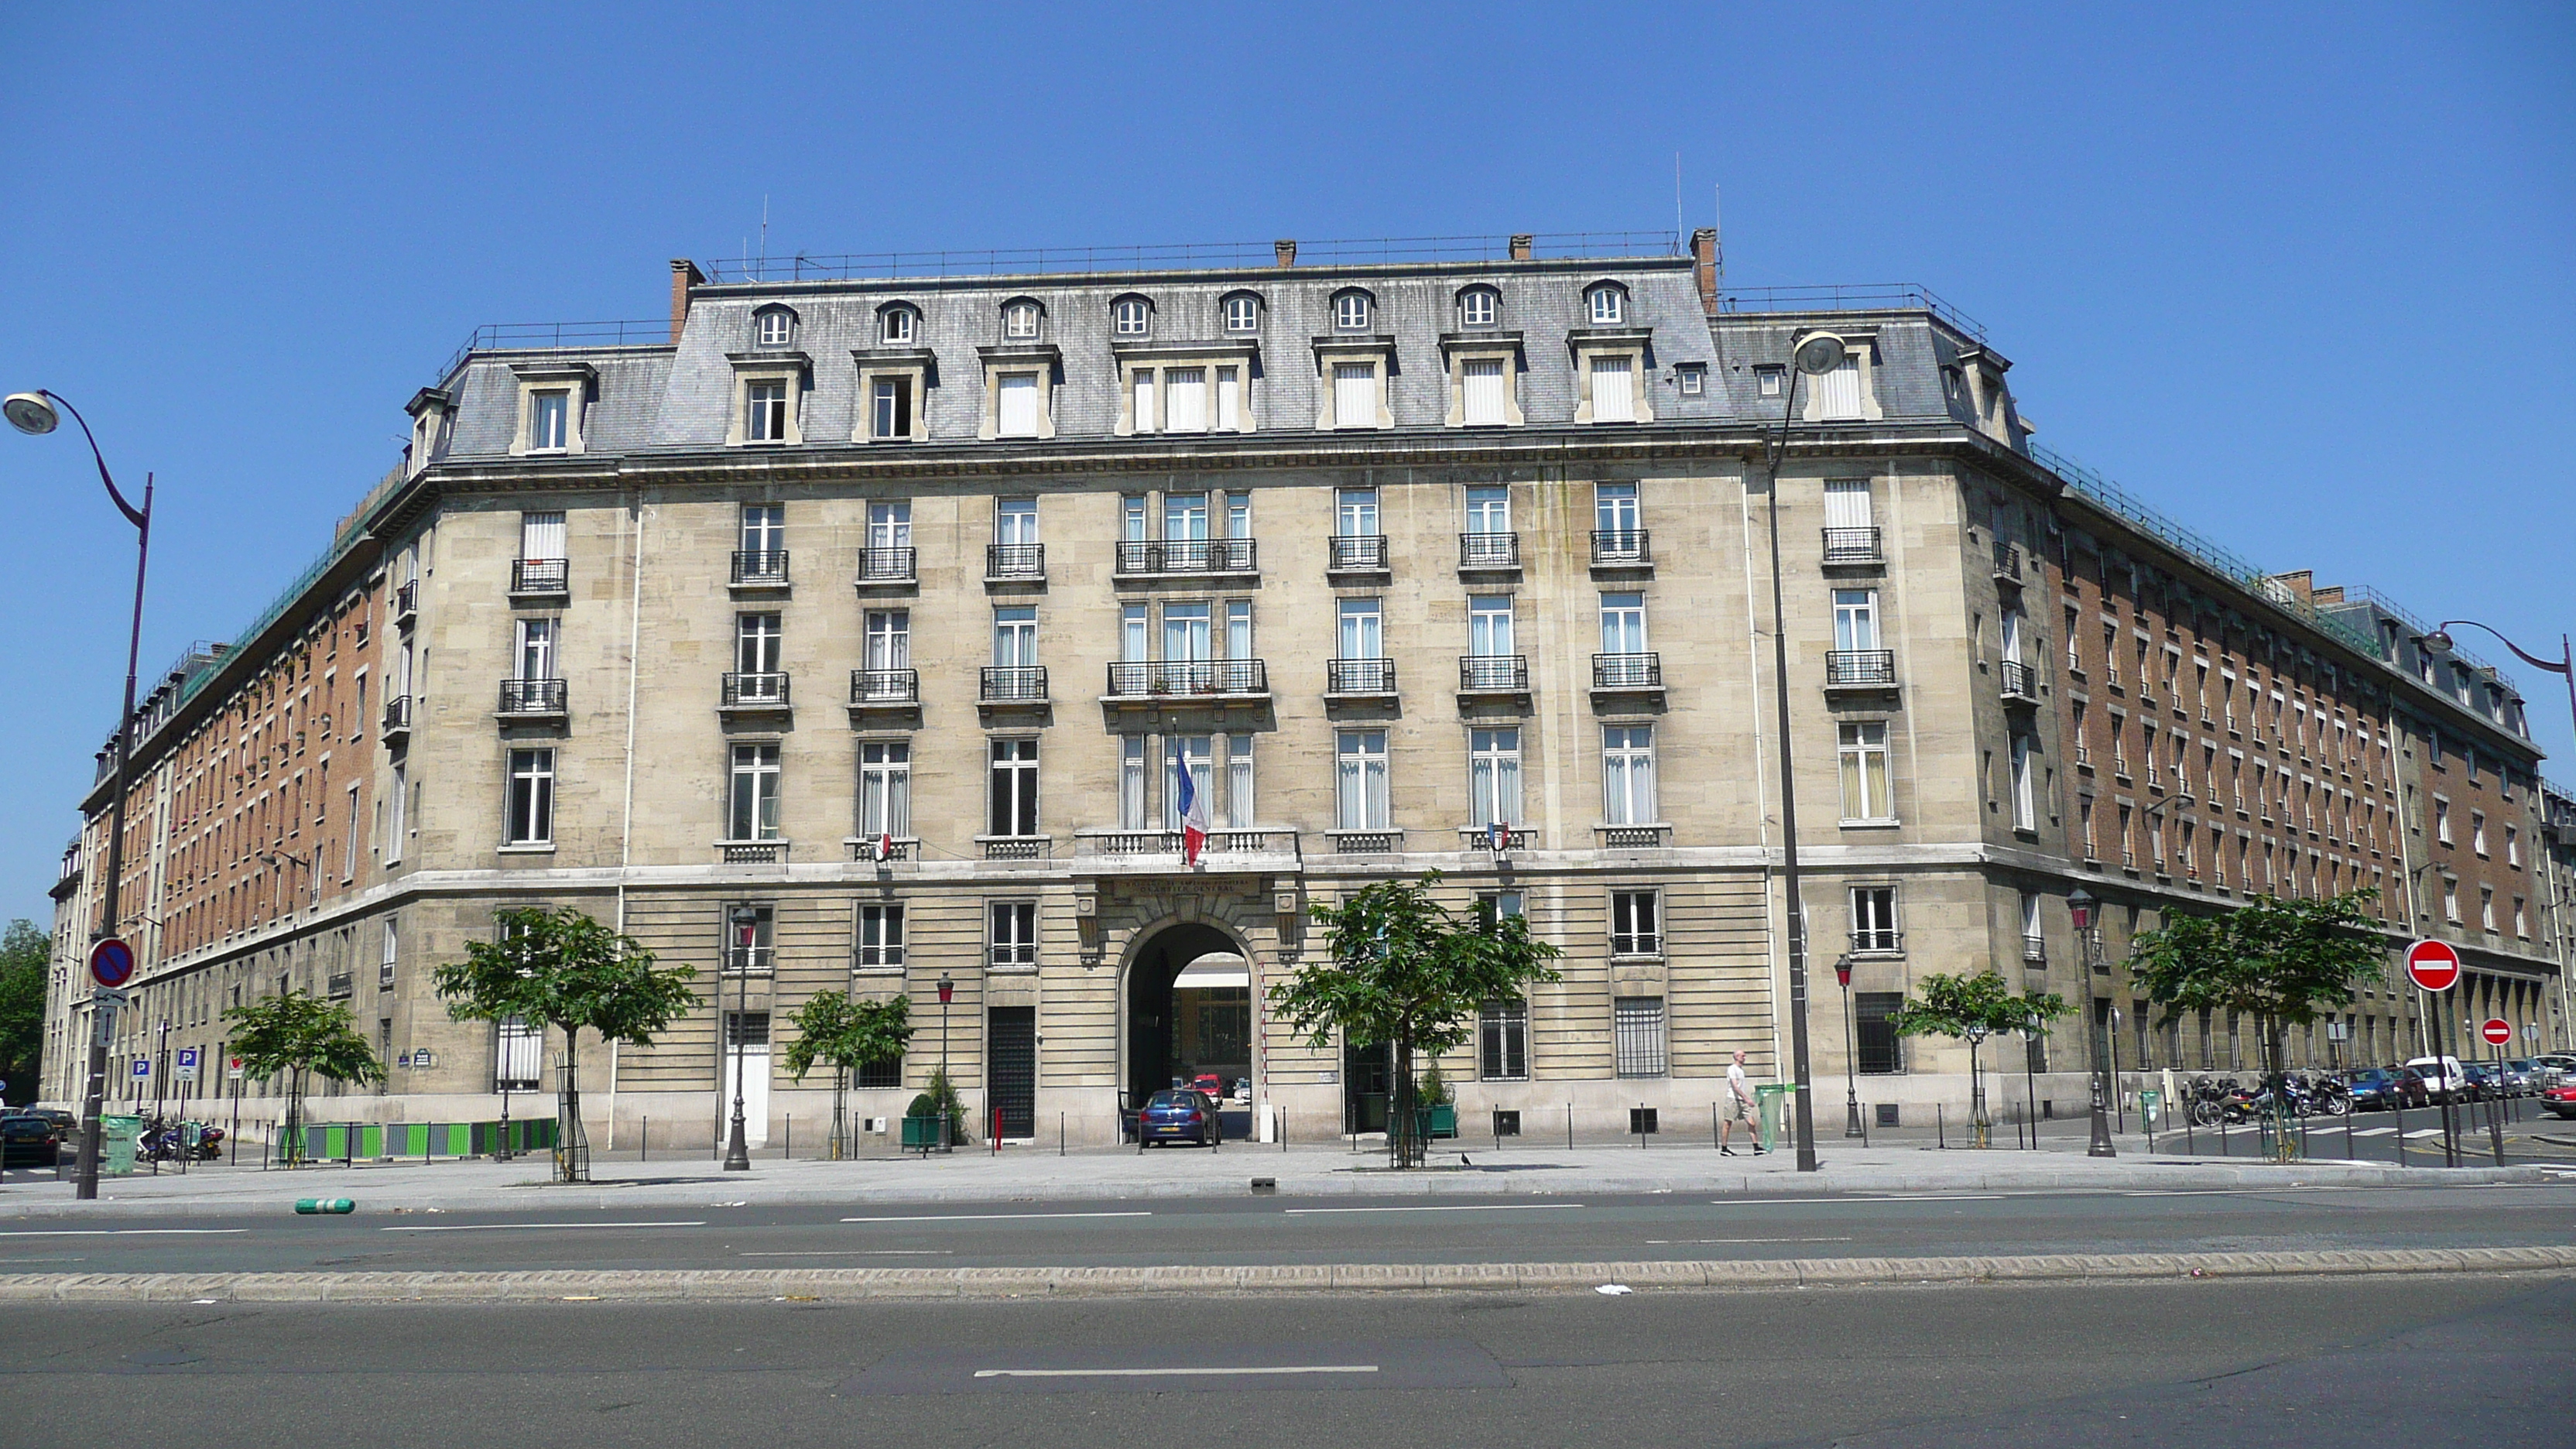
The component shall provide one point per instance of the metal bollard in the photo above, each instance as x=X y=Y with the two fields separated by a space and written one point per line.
x=644 y=1142
x=1940 y=1127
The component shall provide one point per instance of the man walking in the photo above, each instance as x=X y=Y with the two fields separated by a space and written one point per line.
x=1739 y=1108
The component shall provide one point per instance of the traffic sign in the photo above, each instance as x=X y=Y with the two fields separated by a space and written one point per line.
x=2433 y=965
x=111 y=962
x=187 y=1066
x=2497 y=1031
x=233 y=1068
x=110 y=996
x=142 y=1068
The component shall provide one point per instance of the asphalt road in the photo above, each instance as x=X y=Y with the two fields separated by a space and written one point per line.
x=1133 y=1232
x=2313 y=1363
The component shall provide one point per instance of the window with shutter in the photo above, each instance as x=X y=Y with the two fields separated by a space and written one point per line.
x=1354 y=395
x=1613 y=391
x=1019 y=405
x=1185 y=400
x=1847 y=503
x=1838 y=391
x=1484 y=378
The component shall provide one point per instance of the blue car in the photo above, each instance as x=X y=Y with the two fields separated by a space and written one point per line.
x=1178 y=1116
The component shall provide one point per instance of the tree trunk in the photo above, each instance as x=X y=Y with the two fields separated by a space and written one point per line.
x=1976 y=1096
x=292 y=1148
x=2275 y=1060
x=572 y=1144
x=1403 y=1148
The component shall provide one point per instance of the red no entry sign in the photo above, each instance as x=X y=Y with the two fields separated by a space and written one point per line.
x=2497 y=1031
x=2432 y=965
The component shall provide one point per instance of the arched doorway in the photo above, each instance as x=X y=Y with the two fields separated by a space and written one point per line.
x=1188 y=1009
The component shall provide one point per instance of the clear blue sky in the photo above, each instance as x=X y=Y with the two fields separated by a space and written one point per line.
x=2299 y=276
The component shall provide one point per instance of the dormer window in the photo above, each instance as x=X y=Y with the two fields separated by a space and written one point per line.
x=1352 y=312
x=1478 y=307
x=898 y=326
x=1020 y=320
x=1606 y=304
x=773 y=327
x=1242 y=313
x=1131 y=316
x=549 y=419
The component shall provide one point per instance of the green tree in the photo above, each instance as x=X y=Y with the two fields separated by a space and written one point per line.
x=300 y=1036
x=24 y=952
x=1408 y=972
x=848 y=1035
x=2283 y=963
x=1970 y=1009
x=560 y=968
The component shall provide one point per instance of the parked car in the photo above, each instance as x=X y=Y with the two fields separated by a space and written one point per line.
x=2443 y=1078
x=2559 y=1101
x=66 y=1123
x=2522 y=1076
x=2486 y=1084
x=1209 y=1085
x=2555 y=1068
x=28 y=1139
x=1182 y=1115
x=2381 y=1089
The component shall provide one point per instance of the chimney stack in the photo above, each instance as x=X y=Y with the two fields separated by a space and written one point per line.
x=1521 y=247
x=1287 y=251
x=684 y=275
x=1704 y=258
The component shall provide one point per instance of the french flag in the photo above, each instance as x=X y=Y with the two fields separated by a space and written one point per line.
x=1194 y=815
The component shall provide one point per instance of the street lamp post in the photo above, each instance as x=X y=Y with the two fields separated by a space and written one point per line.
x=1816 y=352
x=947 y=993
x=2079 y=906
x=1851 y=1083
x=746 y=929
x=40 y=412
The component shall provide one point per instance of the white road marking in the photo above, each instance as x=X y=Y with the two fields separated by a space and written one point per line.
x=1164 y=1373
x=2372 y=1131
x=857 y=1253
x=119 y=1232
x=532 y=1227
x=1931 y=1197
x=1696 y=1242
x=993 y=1217
x=1446 y=1207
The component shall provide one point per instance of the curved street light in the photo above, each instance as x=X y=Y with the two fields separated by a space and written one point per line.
x=38 y=413
x=2564 y=665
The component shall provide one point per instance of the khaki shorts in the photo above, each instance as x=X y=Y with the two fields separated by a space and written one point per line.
x=1739 y=1110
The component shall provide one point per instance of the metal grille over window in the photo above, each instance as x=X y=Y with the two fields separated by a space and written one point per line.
x=1638 y=1035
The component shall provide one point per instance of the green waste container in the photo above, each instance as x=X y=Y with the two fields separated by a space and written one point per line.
x=116 y=1145
x=1769 y=1101
x=921 y=1134
x=1437 y=1120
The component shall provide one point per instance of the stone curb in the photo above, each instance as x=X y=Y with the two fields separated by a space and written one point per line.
x=2130 y=1177
x=844 y=1284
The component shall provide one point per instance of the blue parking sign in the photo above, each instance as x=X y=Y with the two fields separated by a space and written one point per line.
x=142 y=1067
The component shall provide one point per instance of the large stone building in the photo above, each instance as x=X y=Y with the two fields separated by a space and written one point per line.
x=888 y=614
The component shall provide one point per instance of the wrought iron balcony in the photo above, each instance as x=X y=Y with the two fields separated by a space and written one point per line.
x=533 y=698
x=1356 y=553
x=540 y=576
x=1493 y=674
x=1622 y=548
x=406 y=601
x=398 y=716
x=885 y=686
x=1148 y=557
x=1189 y=676
x=750 y=960
x=340 y=983
x=885 y=567
x=2007 y=562
x=761 y=568
x=2020 y=683
x=1359 y=676
x=1013 y=684
x=1860 y=669
x=1015 y=560
x=2034 y=950
x=1478 y=552
x=1852 y=546
x=767 y=690
x=1631 y=672
x=1636 y=943
x=1873 y=942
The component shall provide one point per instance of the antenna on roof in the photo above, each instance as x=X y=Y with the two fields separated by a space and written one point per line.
x=1678 y=228
x=764 y=232
x=1717 y=226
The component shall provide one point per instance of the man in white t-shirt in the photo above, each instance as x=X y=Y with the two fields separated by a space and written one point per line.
x=1739 y=1108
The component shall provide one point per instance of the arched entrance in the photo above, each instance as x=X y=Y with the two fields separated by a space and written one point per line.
x=1188 y=1009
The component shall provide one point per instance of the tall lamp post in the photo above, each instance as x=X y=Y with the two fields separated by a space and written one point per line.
x=947 y=993
x=1851 y=1083
x=37 y=413
x=1815 y=353
x=746 y=930
x=2079 y=906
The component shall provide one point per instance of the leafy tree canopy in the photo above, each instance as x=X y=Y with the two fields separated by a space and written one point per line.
x=24 y=952
x=1403 y=968
x=564 y=969
x=833 y=1029
x=2281 y=962
x=299 y=1033
x=1972 y=1008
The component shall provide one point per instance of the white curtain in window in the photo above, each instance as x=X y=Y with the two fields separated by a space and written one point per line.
x=1847 y=503
x=1131 y=783
x=1185 y=400
x=1614 y=398
x=1354 y=395
x=1360 y=801
x=1144 y=400
x=1484 y=378
x=541 y=535
x=1838 y=391
x=1019 y=414
x=1229 y=398
x=1238 y=781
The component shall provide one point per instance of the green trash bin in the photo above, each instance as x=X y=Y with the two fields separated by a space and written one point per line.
x=1437 y=1120
x=921 y=1134
x=1769 y=1100
x=116 y=1144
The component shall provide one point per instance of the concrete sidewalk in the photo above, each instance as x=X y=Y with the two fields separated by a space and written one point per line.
x=971 y=1175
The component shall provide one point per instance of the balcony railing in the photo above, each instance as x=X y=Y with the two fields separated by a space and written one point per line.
x=1877 y=942
x=1366 y=842
x=2008 y=562
x=1168 y=842
x=1013 y=684
x=885 y=686
x=754 y=852
x=1357 y=553
x=1635 y=837
x=2020 y=683
x=1189 y=676
x=1359 y=676
x=1015 y=847
x=1489 y=551
x=532 y=696
x=755 y=691
x=1489 y=837
x=750 y=960
x=398 y=715
x=2034 y=950
x=864 y=848
x=760 y=568
x=885 y=566
x=1015 y=560
x=540 y=575
x=1628 y=671
x=341 y=983
x=1149 y=556
x=1636 y=943
x=1852 y=546
x=1847 y=668
x=406 y=600
x=1493 y=674
x=1622 y=548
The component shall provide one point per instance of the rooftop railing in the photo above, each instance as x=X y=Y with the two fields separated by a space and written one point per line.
x=1024 y=261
